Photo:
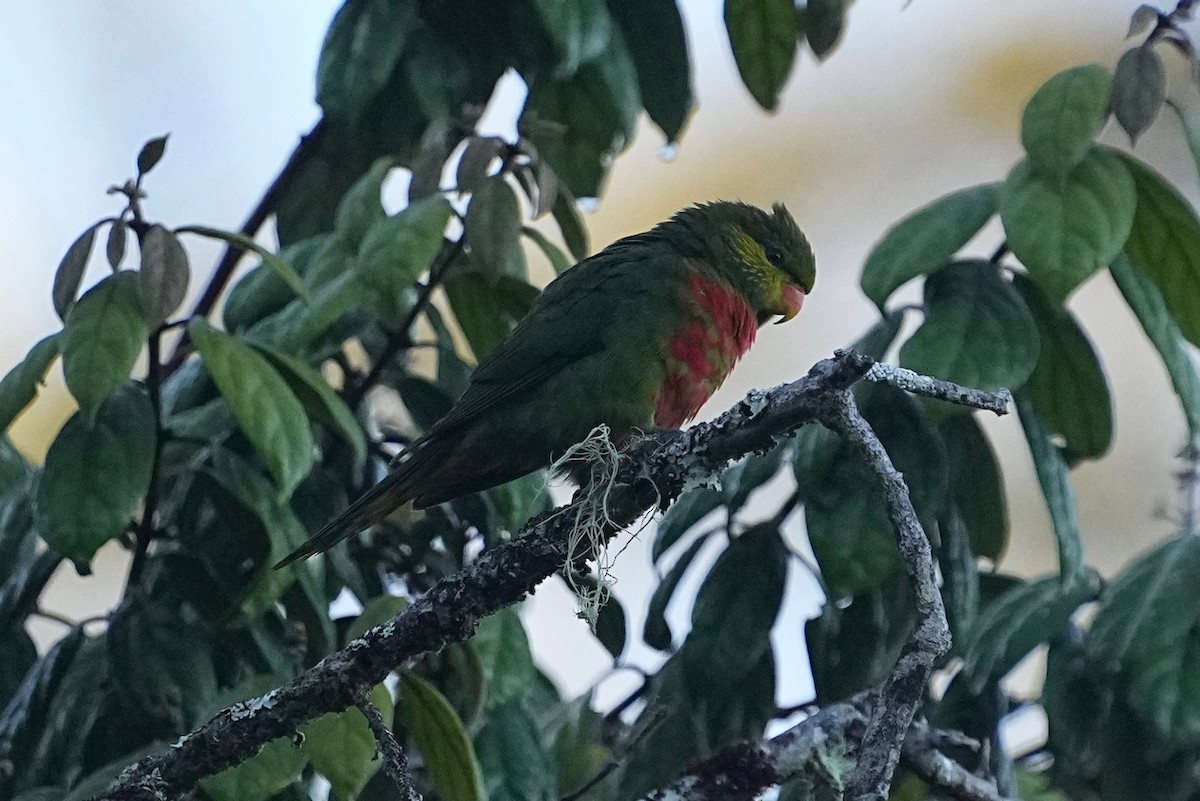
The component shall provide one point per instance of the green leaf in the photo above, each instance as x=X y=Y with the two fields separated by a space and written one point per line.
x=341 y=745
x=19 y=386
x=1052 y=476
x=579 y=29
x=516 y=765
x=737 y=605
x=1148 y=305
x=1165 y=244
x=1138 y=89
x=278 y=265
x=319 y=399
x=763 y=36
x=18 y=654
x=977 y=331
x=97 y=473
x=267 y=410
x=151 y=153
x=959 y=569
x=164 y=274
x=493 y=228
x=487 y=308
x=1145 y=630
x=359 y=54
x=1016 y=623
x=426 y=402
x=579 y=745
x=69 y=274
x=23 y=718
x=396 y=250
x=926 y=240
x=1066 y=228
x=378 y=610
x=266 y=773
x=504 y=652
x=1067 y=388
x=688 y=510
x=101 y=340
x=361 y=207
x=114 y=247
x=822 y=22
x=440 y=736
x=261 y=293
x=653 y=30
x=570 y=224
x=1063 y=117
x=976 y=486
x=476 y=161
x=747 y=475
x=558 y=260
x=656 y=632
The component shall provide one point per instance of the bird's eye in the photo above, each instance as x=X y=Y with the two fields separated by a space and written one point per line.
x=773 y=255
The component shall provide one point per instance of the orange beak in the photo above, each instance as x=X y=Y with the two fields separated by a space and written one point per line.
x=792 y=297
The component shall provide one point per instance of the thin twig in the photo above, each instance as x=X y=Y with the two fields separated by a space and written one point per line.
x=902 y=691
x=918 y=384
x=395 y=763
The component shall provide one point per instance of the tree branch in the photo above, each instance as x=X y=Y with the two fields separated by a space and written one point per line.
x=395 y=763
x=655 y=471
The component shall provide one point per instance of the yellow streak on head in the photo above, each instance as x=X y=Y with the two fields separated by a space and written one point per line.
x=769 y=278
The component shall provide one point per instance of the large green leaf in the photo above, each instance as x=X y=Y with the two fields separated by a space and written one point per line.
x=1147 y=303
x=361 y=206
x=975 y=485
x=656 y=632
x=821 y=23
x=1016 y=623
x=342 y=748
x=360 y=52
x=493 y=228
x=261 y=292
x=653 y=30
x=69 y=274
x=737 y=605
x=97 y=473
x=440 y=736
x=926 y=240
x=1064 y=228
x=164 y=274
x=1063 y=117
x=687 y=510
x=102 y=338
x=507 y=661
x=977 y=331
x=763 y=36
x=1165 y=244
x=286 y=272
x=1068 y=388
x=1051 y=470
x=487 y=308
x=579 y=29
x=397 y=249
x=1146 y=630
x=20 y=384
x=517 y=765
x=744 y=477
x=266 y=409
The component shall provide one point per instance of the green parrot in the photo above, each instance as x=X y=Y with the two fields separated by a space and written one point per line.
x=636 y=337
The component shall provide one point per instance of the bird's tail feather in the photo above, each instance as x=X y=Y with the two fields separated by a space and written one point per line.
x=396 y=489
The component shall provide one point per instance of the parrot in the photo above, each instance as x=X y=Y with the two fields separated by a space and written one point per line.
x=636 y=337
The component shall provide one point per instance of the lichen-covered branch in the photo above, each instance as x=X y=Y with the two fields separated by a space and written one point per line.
x=654 y=473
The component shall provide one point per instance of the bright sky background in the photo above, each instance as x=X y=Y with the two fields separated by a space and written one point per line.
x=920 y=99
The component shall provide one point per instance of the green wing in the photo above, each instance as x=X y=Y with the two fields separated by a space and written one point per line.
x=576 y=316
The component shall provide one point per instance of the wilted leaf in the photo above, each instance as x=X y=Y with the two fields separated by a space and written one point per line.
x=977 y=331
x=1063 y=117
x=19 y=386
x=493 y=228
x=164 y=275
x=1138 y=90
x=151 y=153
x=96 y=474
x=266 y=409
x=1066 y=228
x=763 y=36
x=1165 y=244
x=926 y=240
x=69 y=274
x=1067 y=388
x=440 y=736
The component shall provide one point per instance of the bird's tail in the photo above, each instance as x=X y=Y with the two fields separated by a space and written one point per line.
x=396 y=489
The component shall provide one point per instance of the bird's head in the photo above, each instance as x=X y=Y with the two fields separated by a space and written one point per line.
x=762 y=254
